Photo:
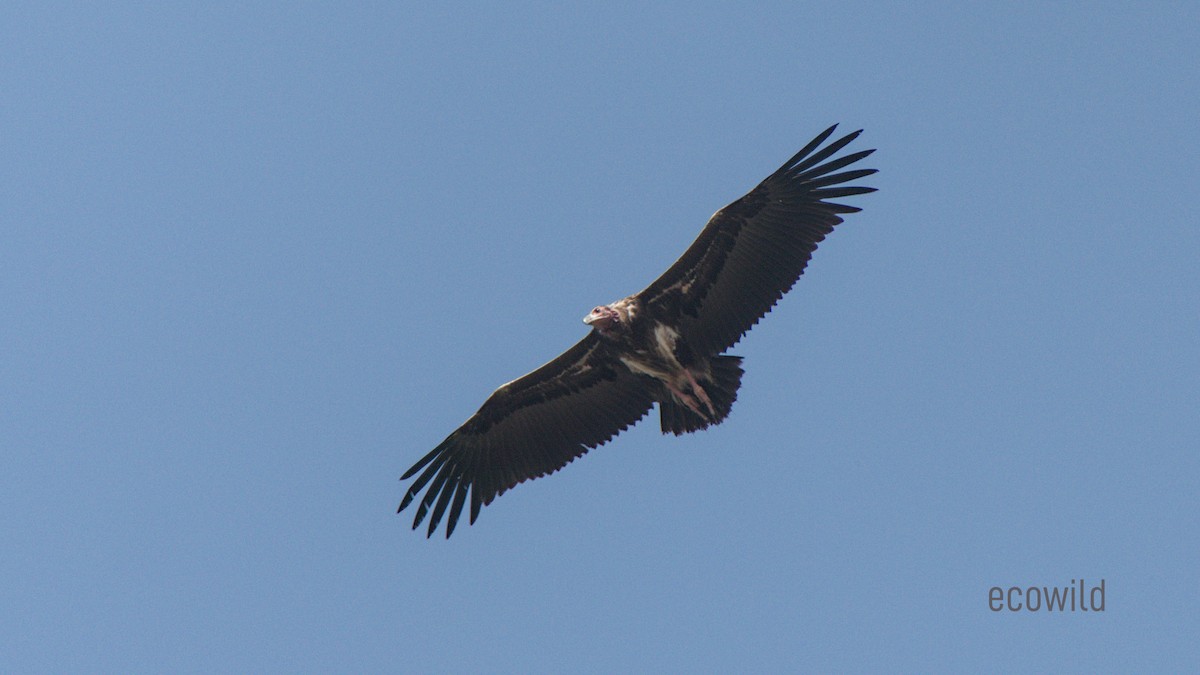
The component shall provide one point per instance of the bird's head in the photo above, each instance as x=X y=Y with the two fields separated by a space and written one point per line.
x=603 y=318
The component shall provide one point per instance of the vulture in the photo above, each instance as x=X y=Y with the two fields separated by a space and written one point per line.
x=664 y=345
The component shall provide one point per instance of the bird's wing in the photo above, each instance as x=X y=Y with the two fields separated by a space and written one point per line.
x=528 y=428
x=753 y=251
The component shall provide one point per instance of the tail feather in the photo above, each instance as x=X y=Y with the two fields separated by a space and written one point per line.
x=721 y=387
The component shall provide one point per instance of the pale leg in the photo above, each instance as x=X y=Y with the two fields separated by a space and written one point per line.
x=700 y=394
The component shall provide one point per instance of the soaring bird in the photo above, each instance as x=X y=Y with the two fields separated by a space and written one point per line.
x=663 y=345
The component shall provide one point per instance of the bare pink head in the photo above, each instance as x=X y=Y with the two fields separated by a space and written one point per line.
x=603 y=318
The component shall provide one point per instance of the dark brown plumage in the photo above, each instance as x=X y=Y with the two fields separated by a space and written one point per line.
x=662 y=345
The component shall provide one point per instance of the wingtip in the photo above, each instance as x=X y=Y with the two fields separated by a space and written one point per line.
x=849 y=138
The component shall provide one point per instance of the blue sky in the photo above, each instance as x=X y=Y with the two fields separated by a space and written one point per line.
x=255 y=260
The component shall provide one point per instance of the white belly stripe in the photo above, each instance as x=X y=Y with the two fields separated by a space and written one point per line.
x=664 y=339
x=664 y=347
x=639 y=367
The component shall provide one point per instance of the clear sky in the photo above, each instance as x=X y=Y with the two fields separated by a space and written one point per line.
x=255 y=260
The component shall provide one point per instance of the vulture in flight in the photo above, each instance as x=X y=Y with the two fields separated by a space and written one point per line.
x=663 y=345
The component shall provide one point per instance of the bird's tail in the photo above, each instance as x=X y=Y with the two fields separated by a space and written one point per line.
x=721 y=387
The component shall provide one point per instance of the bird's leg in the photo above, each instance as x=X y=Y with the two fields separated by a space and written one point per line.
x=700 y=393
x=687 y=400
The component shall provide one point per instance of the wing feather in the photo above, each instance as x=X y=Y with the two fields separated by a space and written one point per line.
x=755 y=249
x=528 y=428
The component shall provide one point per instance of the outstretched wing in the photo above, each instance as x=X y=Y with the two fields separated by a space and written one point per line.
x=753 y=251
x=528 y=428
